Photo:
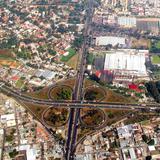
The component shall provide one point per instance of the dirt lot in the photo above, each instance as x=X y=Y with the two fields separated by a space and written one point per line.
x=138 y=43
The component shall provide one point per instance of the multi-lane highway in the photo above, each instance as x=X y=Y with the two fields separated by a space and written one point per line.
x=77 y=103
x=78 y=89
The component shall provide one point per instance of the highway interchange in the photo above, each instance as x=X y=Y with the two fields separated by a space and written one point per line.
x=77 y=101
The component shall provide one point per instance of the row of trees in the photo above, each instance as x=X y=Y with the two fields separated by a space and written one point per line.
x=155 y=47
x=154 y=90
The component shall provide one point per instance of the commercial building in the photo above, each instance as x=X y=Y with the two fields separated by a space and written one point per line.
x=127 y=64
x=149 y=24
x=128 y=22
x=106 y=40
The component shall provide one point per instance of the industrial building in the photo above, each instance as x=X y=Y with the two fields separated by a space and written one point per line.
x=106 y=40
x=149 y=24
x=127 y=21
x=127 y=65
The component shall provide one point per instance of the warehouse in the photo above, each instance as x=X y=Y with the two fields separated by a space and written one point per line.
x=127 y=62
x=106 y=40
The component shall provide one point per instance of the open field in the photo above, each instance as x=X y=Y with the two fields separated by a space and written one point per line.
x=34 y=109
x=42 y=94
x=115 y=97
x=114 y=115
x=71 y=53
x=140 y=43
x=7 y=59
x=138 y=117
x=9 y=63
x=6 y=54
x=73 y=61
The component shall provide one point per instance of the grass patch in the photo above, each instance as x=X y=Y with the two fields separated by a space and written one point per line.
x=115 y=97
x=115 y=115
x=92 y=117
x=60 y=93
x=34 y=109
x=20 y=83
x=145 y=122
x=137 y=118
x=94 y=94
x=42 y=94
x=71 y=53
x=72 y=62
x=6 y=57
x=156 y=59
x=90 y=58
x=56 y=117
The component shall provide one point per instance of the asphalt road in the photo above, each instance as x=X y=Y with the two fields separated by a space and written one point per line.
x=78 y=92
x=77 y=103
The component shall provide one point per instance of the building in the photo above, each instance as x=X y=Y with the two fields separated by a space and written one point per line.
x=156 y=3
x=128 y=22
x=8 y=120
x=28 y=152
x=149 y=24
x=127 y=65
x=1 y=143
x=106 y=40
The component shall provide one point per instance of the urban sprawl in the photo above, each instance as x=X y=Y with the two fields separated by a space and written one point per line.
x=58 y=55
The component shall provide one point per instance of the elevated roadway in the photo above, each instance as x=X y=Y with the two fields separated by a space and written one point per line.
x=77 y=103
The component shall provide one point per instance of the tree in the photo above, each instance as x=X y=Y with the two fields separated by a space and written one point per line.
x=151 y=142
x=13 y=153
x=64 y=94
x=145 y=138
x=90 y=95
x=78 y=41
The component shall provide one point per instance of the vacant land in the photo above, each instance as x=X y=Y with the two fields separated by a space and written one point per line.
x=73 y=61
x=6 y=54
x=40 y=94
x=140 y=43
x=8 y=59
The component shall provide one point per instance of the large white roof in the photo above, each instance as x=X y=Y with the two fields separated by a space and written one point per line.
x=126 y=60
x=105 y=40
